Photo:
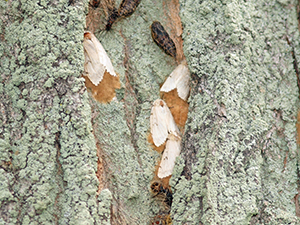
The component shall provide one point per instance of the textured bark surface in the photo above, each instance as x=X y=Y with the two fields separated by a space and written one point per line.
x=240 y=158
x=48 y=151
x=67 y=159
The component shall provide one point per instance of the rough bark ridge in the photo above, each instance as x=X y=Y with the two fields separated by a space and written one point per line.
x=48 y=153
x=239 y=143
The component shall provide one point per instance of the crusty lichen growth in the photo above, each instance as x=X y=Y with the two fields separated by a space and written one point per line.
x=49 y=161
x=122 y=126
x=129 y=41
x=130 y=168
x=239 y=149
x=105 y=199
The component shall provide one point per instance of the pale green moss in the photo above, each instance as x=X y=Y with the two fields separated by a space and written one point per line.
x=130 y=176
x=247 y=67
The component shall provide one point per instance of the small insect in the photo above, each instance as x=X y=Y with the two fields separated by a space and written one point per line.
x=162 y=39
x=95 y=3
x=179 y=79
x=169 y=156
x=162 y=123
x=96 y=59
x=127 y=8
x=160 y=192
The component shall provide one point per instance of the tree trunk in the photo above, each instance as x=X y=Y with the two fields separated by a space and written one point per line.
x=66 y=158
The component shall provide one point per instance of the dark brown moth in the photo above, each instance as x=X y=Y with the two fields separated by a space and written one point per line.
x=162 y=39
x=127 y=8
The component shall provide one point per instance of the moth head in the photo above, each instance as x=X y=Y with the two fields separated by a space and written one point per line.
x=87 y=35
x=159 y=102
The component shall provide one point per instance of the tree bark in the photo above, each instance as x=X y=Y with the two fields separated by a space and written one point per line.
x=240 y=158
x=66 y=158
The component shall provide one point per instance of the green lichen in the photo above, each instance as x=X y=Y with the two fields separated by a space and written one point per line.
x=123 y=127
x=242 y=61
x=105 y=199
x=47 y=133
x=245 y=64
x=148 y=64
x=130 y=176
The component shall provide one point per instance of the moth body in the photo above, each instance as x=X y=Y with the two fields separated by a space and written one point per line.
x=165 y=194
x=127 y=7
x=112 y=18
x=162 y=39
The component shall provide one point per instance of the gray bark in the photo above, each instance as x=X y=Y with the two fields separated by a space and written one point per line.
x=68 y=159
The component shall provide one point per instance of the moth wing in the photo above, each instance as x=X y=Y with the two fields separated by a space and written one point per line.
x=103 y=57
x=92 y=66
x=172 y=127
x=182 y=82
x=169 y=84
x=179 y=79
x=158 y=123
x=169 y=156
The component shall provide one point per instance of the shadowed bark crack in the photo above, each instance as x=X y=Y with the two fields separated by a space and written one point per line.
x=59 y=176
x=130 y=99
x=295 y=63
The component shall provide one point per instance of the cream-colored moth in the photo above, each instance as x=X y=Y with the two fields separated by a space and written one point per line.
x=169 y=156
x=162 y=123
x=179 y=79
x=96 y=59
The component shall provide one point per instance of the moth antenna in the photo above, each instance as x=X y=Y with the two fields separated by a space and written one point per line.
x=143 y=17
x=101 y=33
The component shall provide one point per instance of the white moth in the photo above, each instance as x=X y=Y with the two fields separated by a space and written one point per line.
x=179 y=79
x=169 y=156
x=96 y=59
x=162 y=123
